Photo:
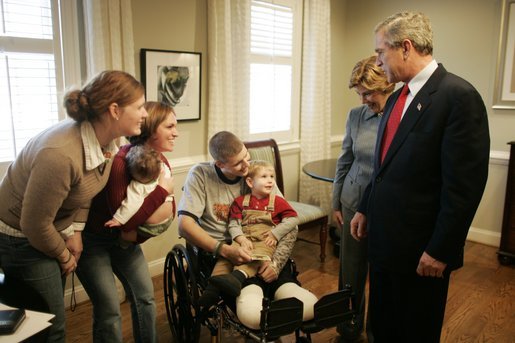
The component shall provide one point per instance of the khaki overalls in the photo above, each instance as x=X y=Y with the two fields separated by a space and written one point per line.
x=254 y=223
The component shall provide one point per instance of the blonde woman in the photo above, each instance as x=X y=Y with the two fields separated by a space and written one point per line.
x=353 y=172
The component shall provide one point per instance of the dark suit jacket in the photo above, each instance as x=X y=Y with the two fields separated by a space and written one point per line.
x=425 y=194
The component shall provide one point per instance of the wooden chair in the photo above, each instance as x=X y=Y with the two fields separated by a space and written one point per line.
x=310 y=216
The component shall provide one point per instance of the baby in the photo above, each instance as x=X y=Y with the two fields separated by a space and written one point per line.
x=145 y=167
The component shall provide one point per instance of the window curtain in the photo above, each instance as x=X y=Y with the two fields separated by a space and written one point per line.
x=108 y=36
x=229 y=70
x=315 y=123
x=229 y=79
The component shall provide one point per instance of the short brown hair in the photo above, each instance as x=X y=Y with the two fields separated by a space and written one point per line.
x=143 y=163
x=224 y=145
x=368 y=74
x=110 y=86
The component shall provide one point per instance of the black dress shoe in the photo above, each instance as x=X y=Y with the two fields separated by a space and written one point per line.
x=334 y=233
x=350 y=332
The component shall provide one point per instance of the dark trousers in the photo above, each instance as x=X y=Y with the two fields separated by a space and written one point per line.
x=406 y=307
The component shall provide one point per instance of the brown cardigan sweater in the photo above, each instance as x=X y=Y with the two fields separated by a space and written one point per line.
x=48 y=187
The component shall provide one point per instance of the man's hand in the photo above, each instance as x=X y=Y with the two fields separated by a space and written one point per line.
x=358 y=226
x=74 y=244
x=428 y=266
x=267 y=272
x=236 y=254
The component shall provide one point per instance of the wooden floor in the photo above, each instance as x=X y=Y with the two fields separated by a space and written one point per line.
x=480 y=307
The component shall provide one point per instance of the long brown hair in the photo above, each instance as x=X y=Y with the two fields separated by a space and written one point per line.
x=110 y=86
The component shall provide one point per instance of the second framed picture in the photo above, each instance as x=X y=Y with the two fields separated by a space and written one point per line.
x=173 y=77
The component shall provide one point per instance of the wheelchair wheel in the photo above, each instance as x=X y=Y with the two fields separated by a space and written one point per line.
x=181 y=296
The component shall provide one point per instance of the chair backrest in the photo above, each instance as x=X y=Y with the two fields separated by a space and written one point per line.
x=268 y=150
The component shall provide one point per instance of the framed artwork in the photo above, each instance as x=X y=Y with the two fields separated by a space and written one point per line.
x=173 y=77
x=504 y=92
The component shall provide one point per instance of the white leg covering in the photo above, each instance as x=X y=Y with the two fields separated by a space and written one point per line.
x=291 y=289
x=249 y=305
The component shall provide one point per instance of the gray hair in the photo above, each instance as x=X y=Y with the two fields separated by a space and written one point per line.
x=414 y=26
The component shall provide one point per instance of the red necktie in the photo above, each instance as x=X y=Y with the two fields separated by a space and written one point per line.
x=393 y=121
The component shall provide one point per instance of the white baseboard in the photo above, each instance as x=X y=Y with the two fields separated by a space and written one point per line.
x=156 y=267
x=484 y=237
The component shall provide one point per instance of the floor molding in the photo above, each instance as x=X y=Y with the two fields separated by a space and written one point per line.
x=486 y=237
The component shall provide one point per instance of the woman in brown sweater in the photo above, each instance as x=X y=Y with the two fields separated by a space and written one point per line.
x=46 y=193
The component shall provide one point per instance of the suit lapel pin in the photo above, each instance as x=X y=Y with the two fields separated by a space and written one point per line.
x=419 y=107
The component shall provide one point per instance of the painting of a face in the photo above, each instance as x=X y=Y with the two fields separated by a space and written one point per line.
x=173 y=78
x=171 y=83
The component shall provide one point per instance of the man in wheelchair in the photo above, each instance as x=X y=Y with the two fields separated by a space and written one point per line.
x=209 y=191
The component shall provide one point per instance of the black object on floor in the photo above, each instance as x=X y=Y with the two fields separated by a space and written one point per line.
x=334 y=233
x=336 y=249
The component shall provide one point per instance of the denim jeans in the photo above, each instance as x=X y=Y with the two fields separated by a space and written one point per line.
x=102 y=256
x=21 y=261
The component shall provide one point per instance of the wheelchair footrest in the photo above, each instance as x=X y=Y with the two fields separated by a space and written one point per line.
x=281 y=317
x=333 y=309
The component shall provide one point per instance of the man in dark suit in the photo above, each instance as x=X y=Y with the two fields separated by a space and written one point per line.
x=429 y=177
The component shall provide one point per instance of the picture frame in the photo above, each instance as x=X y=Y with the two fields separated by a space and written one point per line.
x=173 y=77
x=504 y=89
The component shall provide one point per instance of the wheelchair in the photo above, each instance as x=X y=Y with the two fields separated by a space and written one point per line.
x=186 y=274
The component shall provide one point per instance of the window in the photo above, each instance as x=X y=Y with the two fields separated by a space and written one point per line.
x=275 y=69
x=31 y=69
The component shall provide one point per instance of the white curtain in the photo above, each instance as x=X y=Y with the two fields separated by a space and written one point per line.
x=229 y=78
x=108 y=34
x=315 y=128
x=229 y=70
